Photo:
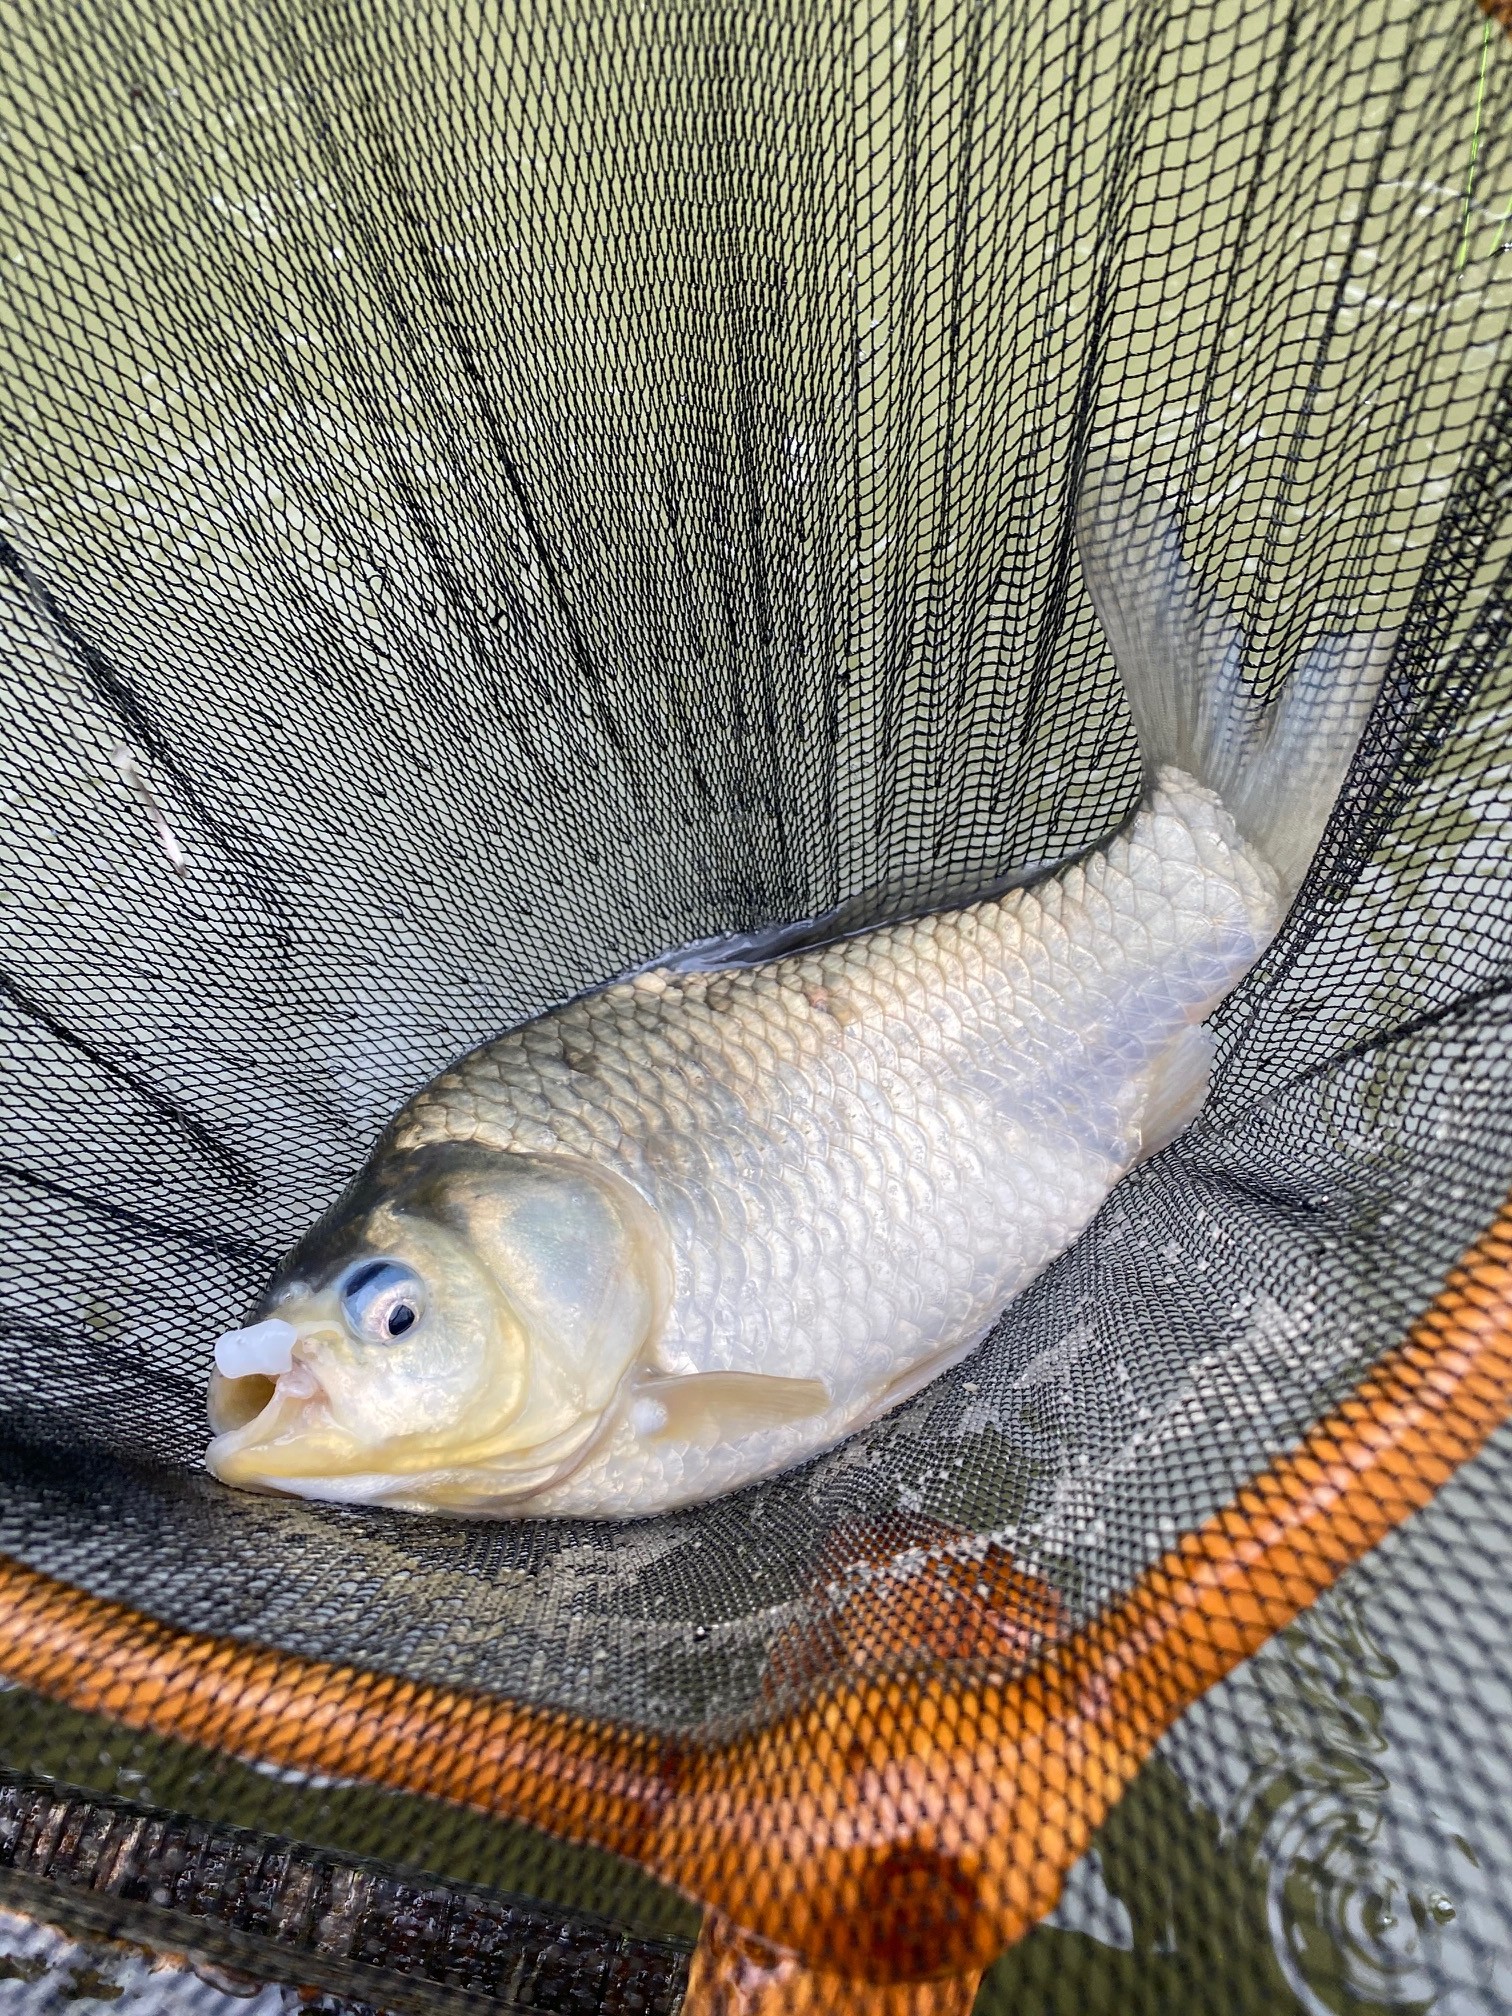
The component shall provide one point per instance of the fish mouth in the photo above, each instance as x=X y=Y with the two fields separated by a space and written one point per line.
x=235 y=1402
x=277 y=1435
x=271 y=1429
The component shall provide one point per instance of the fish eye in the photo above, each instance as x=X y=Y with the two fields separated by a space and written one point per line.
x=382 y=1299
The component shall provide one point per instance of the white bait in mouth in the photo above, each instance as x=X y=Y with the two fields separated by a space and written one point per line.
x=266 y=1348
x=697 y=1226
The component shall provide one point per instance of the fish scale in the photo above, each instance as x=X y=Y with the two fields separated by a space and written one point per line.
x=861 y=1153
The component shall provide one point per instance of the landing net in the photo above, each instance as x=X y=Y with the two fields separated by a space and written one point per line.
x=492 y=494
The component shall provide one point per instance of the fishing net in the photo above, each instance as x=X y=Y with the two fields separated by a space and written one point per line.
x=493 y=493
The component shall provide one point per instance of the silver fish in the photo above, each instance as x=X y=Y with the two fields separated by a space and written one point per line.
x=695 y=1227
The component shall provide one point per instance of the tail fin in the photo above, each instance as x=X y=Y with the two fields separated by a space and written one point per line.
x=1180 y=652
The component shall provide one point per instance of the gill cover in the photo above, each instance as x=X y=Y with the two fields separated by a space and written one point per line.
x=541 y=1280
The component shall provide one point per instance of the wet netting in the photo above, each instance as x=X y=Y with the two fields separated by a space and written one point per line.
x=493 y=492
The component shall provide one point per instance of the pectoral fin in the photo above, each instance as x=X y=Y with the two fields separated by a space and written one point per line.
x=707 y=1408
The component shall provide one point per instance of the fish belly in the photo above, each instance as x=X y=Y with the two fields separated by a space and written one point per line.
x=862 y=1153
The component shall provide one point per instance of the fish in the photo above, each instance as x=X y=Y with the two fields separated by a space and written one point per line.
x=697 y=1226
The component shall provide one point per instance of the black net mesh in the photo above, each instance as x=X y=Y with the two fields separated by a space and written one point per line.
x=493 y=493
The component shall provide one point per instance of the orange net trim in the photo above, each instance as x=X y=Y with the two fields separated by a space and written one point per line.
x=900 y=1824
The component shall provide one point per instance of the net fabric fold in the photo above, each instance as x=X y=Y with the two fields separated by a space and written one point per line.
x=491 y=497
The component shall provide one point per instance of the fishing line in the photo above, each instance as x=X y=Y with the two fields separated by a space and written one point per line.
x=1480 y=95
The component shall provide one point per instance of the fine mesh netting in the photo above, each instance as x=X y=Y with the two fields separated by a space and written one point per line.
x=492 y=494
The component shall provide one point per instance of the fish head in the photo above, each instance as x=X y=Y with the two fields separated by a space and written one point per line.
x=454 y=1334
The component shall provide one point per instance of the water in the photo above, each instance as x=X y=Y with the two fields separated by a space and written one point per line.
x=1322 y=1835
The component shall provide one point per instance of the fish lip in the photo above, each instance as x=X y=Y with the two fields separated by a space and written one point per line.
x=293 y=1392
